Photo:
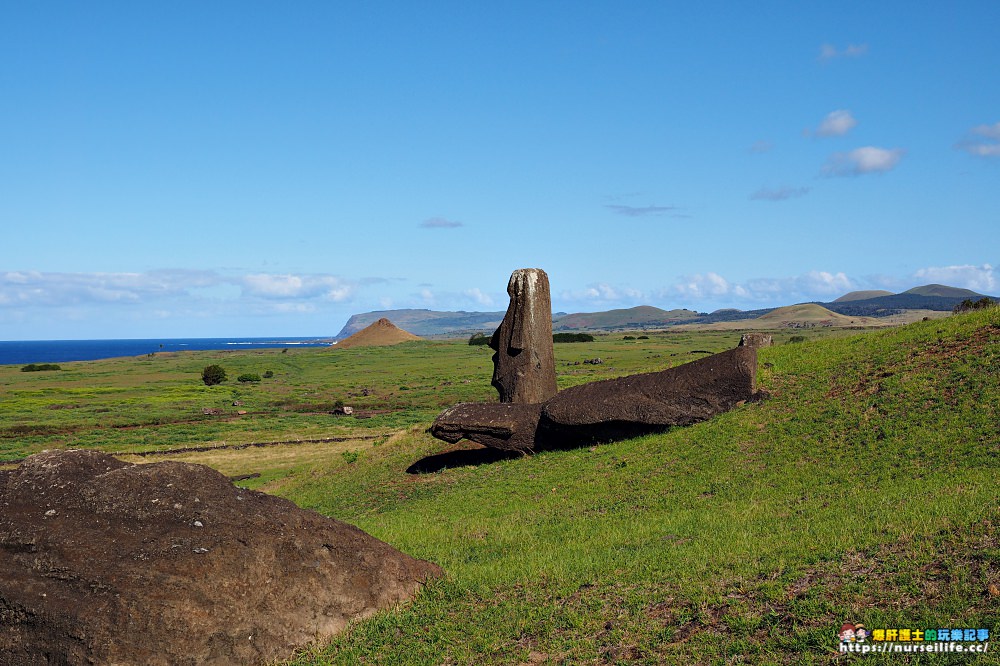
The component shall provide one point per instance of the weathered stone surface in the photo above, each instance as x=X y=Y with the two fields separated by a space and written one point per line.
x=678 y=396
x=756 y=340
x=106 y=562
x=524 y=369
x=504 y=426
x=609 y=409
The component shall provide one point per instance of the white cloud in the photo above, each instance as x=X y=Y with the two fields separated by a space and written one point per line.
x=830 y=52
x=780 y=194
x=34 y=288
x=836 y=123
x=38 y=289
x=268 y=286
x=601 y=292
x=711 y=286
x=761 y=146
x=705 y=285
x=440 y=223
x=479 y=297
x=860 y=161
x=982 y=279
x=982 y=141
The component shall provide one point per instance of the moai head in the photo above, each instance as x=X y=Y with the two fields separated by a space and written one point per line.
x=524 y=369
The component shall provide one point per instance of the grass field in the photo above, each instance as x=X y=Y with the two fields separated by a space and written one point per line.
x=864 y=490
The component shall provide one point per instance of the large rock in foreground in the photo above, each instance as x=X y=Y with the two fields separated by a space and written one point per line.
x=104 y=562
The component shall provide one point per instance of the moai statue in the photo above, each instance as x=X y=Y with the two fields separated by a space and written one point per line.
x=524 y=367
x=756 y=340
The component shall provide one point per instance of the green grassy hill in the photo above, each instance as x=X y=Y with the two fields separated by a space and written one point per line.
x=864 y=490
x=943 y=291
x=643 y=316
x=862 y=295
x=804 y=314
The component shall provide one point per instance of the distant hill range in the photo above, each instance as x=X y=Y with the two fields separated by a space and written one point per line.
x=643 y=316
x=856 y=304
x=929 y=297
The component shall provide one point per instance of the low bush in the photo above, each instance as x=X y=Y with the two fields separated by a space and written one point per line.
x=40 y=367
x=213 y=375
x=248 y=377
x=572 y=337
x=968 y=305
x=479 y=339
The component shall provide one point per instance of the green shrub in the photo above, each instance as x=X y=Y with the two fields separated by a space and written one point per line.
x=213 y=374
x=643 y=337
x=628 y=337
x=40 y=367
x=268 y=374
x=351 y=456
x=968 y=306
x=479 y=339
x=572 y=337
x=248 y=377
x=797 y=338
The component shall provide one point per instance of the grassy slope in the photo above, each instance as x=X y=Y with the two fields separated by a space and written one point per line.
x=864 y=490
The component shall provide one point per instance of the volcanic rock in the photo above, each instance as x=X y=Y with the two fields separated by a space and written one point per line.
x=609 y=409
x=626 y=406
x=379 y=334
x=103 y=562
x=505 y=426
x=524 y=369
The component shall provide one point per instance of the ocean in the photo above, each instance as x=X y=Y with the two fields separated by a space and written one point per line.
x=64 y=351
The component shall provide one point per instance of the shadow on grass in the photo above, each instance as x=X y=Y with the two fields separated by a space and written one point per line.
x=459 y=458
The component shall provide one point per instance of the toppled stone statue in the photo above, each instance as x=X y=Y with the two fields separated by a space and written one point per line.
x=104 y=562
x=524 y=367
x=609 y=409
x=528 y=420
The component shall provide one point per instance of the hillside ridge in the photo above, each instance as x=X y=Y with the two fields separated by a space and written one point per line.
x=864 y=304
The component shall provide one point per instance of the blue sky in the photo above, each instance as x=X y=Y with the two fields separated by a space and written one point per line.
x=267 y=169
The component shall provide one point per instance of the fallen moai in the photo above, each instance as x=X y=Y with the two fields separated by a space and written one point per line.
x=102 y=561
x=603 y=410
x=609 y=409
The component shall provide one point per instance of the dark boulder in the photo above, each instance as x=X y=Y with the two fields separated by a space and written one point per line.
x=104 y=562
